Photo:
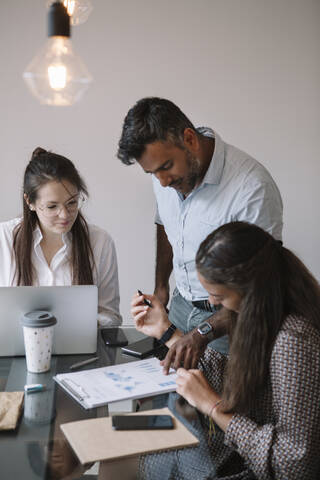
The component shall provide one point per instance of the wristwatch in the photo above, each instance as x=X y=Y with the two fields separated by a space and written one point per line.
x=168 y=333
x=206 y=329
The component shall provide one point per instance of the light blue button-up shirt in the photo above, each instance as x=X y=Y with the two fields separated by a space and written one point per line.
x=236 y=187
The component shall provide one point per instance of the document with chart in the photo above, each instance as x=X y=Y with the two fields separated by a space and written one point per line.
x=98 y=386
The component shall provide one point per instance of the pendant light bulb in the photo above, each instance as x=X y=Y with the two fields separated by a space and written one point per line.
x=78 y=10
x=56 y=76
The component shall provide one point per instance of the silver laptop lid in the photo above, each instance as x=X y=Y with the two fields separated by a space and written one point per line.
x=75 y=308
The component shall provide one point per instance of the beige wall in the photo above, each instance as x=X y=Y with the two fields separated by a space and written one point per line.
x=248 y=68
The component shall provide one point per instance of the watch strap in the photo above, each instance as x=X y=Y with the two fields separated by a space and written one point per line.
x=168 y=333
x=210 y=334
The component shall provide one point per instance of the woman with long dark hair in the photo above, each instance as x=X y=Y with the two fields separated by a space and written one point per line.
x=52 y=244
x=258 y=408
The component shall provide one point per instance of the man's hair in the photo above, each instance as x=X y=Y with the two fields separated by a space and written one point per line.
x=150 y=120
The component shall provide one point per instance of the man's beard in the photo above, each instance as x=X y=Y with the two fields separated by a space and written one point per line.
x=194 y=175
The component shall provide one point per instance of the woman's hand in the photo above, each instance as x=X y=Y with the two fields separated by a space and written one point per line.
x=193 y=386
x=152 y=321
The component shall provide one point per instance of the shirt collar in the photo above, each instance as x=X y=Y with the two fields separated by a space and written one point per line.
x=214 y=173
x=37 y=237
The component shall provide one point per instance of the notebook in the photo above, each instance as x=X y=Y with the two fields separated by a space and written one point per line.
x=94 y=440
x=75 y=308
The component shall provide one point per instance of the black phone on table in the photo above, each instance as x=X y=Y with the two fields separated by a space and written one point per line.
x=114 y=337
x=146 y=347
x=142 y=422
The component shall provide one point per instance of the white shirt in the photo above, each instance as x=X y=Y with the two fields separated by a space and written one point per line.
x=235 y=188
x=105 y=273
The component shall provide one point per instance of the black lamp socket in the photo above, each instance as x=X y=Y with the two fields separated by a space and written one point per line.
x=58 y=20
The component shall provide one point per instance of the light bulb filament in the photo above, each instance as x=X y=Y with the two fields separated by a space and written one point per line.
x=57 y=76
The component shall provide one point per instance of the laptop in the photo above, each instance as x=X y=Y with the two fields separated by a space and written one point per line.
x=75 y=308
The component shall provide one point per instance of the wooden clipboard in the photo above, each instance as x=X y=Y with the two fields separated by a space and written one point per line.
x=94 y=440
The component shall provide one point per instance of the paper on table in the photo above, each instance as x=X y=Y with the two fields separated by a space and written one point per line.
x=10 y=409
x=96 y=387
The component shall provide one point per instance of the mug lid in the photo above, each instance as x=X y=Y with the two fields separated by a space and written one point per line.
x=38 y=319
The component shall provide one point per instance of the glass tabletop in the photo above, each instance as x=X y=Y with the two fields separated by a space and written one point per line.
x=37 y=448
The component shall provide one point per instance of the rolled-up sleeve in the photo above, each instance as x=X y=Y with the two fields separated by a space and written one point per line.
x=157 y=218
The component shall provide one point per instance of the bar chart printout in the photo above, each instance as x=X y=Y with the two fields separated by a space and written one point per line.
x=96 y=387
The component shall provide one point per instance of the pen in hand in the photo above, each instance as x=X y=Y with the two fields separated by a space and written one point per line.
x=83 y=363
x=145 y=300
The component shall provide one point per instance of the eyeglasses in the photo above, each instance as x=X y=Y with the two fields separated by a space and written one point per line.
x=54 y=209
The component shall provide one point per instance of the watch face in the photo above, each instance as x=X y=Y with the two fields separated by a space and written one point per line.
x=205 y=328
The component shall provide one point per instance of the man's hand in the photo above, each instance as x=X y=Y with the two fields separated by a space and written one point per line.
x=152 y=321
x=185 y=352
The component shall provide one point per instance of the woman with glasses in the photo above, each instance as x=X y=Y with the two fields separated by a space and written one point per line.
x=258 y=410
x=52 y=244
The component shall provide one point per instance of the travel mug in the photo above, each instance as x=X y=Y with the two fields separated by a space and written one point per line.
x=38 y=338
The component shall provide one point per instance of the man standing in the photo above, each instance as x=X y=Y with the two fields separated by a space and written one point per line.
x=200 y=183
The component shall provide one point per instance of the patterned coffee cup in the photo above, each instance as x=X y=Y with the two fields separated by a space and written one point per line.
x=38 y=338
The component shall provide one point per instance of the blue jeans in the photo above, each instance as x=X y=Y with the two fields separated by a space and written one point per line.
x=186 y=317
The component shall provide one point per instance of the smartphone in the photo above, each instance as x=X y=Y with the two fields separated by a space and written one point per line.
x=146 y=347
x=142 y=422
x=114 y=337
